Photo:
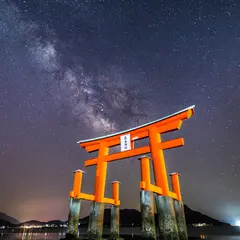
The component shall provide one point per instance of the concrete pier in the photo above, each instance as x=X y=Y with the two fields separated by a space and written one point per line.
x=73 y=218
x=179 y=207
x=75 y=205
x=181 y=221
x=148 y=230
x=95 y=225
x=166 y=218
x=114 y=225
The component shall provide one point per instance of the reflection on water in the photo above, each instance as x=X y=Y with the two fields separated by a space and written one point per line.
x=31 y=235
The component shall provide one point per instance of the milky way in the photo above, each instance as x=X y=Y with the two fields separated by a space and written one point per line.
x=71 y=70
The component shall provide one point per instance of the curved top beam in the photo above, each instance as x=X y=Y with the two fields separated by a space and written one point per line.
x=138 y=127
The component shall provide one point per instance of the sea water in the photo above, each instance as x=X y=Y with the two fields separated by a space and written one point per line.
x=56 y=236
x=127 y=233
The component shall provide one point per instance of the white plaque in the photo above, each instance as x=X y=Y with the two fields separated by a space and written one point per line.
x=125 y=142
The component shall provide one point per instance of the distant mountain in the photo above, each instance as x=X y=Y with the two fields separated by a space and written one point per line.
x=132 y=216
x=55 y=222
x=6 y=223
x=39 y=223
x=6 y=218
x=197 y=217
x=32 y=222
x=128 y=217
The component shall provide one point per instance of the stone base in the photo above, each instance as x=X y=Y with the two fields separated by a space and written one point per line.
x=114 y=224
x=73 y=218
x=166 y=218
x=148 y=230
x=95 y=225
x=181 y=221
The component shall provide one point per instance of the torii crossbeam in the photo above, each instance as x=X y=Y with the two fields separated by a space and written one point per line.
x=153 y=131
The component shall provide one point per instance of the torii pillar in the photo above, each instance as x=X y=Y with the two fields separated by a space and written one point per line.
x=115 y=213
x=148 y=230
x=75 y=205
x=179 y=208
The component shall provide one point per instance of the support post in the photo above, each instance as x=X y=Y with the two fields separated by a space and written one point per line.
x=115 y=212
x=75 y=205
x=179 y=208
x=164 y=203
x=146 y=201
x=95 y=225
x=166 y=218
x=159 y=166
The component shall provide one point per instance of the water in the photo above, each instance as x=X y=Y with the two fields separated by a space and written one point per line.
x=55 y=236
x=126 y=233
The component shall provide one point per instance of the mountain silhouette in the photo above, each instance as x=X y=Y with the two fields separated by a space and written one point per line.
x=128 y=217
x=56 y=223
x=7 y=219
x=132 y=217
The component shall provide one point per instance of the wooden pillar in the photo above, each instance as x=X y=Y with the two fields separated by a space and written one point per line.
x=101 y=173
x=164 y=203
x=95 y=225
x=159 y=167
x=146 y=201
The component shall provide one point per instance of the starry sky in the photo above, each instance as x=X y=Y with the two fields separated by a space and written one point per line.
x=72 y=70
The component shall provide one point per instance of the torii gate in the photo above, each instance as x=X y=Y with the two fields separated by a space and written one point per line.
x=153 y=130
x=125 y=139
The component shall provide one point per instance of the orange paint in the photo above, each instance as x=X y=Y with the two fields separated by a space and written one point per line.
x=142 y=185
x=178 y=142
x=77 y=184
x=140 y=134
x=176 y=185
x=77 y=194
x=108 y=201
x=145 y=183
x=156 y=189
x=115 y=192
x=159 y=166
x=181 y=116
x=172 y=195
x=120 y=155
x=101 y=173
x=156 y=147
x=173 y=126
x=88 y=197
x=145 y=172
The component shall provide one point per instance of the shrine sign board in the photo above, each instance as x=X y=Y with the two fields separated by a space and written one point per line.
x=125 y=142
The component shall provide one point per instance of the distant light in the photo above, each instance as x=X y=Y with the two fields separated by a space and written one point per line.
x=237 y=224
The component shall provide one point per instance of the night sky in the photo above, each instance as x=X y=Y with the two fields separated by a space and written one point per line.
x=72 y=70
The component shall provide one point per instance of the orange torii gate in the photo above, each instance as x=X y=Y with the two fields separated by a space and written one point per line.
x=169 y=203
x=153 y=131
